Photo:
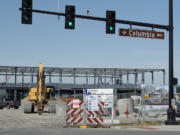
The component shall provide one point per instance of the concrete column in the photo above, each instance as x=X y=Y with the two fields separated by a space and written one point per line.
x=32 y=78
x=60 y=83
x=60 y=79
x=100 y=80
x=112 y=81
x=135 y=78
x=127 y=78
x=114 y=75
x=74 y=76
x=15 y=76
x=22 y=78
x=105 y=78
x=95 y=78
x=164 y=79
x=152 y=77
x=6 y=76
x=143 y=79
x=49 y=78
x=86 y=80
x=120 y=77
x=15 y=82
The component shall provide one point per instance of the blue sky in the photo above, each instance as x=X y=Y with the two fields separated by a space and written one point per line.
x=88 y=45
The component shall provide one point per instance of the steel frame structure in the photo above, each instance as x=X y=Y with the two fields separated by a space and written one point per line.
x=96 y=73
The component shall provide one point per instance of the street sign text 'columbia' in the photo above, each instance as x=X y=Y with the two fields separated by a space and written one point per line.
x=141 y=33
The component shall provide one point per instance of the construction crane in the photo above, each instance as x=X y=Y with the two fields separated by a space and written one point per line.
x=39 y=96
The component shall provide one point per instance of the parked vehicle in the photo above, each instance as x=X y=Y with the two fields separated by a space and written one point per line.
x=9 y=103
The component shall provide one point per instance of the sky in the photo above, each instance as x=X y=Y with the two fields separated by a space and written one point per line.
x=47 y=41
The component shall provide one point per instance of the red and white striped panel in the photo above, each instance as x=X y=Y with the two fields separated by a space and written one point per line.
x=74 y=111
x=95 y=113
x=73 y=120
x=101 y=104
x=95 y=121
x=70 y=103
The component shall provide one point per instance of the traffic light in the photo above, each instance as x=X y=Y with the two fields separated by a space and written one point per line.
x=26 y=17
x=110 y=22
x=70 y=17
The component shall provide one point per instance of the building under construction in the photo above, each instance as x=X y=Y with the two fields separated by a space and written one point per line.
x=17 y=80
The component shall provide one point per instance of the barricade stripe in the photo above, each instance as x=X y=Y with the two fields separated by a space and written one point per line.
x=73 y=111
x=97 y=113
x=76 y=120
x=70 y=111
x=101 y=119
x=101 y=104
x=67 y=119
x=69 y=102
x=90 y=121
x=102 y=112
x=73 y=120
x=80 y=120
x=81 y=102
x=90 y=112
x=96 y=121
x=80 y=112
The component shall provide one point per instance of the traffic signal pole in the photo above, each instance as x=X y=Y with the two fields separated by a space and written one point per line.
x=171 y=114
x=150 y=25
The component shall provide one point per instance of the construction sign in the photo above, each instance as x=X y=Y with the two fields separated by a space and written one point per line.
x=76 y=103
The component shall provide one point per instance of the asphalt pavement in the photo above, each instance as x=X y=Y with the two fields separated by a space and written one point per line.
x=77 y=131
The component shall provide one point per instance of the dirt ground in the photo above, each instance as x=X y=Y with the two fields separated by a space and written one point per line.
x=15 y=118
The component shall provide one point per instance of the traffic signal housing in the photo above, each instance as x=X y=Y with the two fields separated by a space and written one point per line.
x=70 y=17
x=110 y=22
x=26 y=17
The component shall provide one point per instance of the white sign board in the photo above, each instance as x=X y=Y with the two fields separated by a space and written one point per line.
x=104 y=95
x=93 y=102
x=76 y=103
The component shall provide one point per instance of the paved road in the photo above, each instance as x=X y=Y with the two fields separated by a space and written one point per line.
x=70 y=131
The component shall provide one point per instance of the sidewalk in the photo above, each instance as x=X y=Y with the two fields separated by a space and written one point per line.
x=149 y=128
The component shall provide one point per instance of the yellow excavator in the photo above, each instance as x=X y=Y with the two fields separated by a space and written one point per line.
x=39 y=96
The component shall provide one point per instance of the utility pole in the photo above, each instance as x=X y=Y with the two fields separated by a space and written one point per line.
x=58 y=8
x=171 y=114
